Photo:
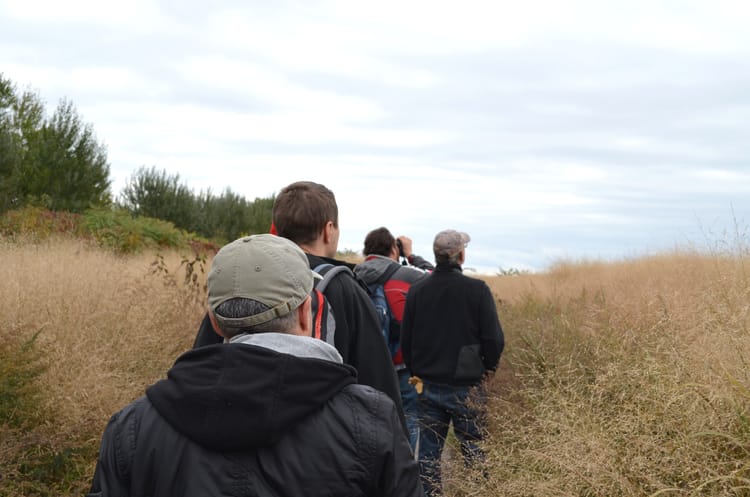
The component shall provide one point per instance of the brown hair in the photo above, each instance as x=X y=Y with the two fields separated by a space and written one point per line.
x=302 y=209
x=379 y=241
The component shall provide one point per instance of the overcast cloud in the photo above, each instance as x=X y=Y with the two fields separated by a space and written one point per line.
x=547 y=130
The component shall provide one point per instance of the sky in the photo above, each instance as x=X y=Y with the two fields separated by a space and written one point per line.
x=549 y=131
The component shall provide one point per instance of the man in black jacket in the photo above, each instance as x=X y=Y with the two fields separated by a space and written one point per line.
x=271 y=412
x=451 y=339
x=307 y=213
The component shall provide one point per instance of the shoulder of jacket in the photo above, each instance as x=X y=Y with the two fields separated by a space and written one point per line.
x=409 y=274
x=132 y=412
x=428 y=278
x=372 y=420
x=365 y=397
x=348 y=281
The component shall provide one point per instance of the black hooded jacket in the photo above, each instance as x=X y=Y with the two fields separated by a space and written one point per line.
x=243 y=420
x=358 y=338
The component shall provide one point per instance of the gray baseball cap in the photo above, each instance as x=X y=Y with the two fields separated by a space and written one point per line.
x=267 y=268
x=450 y=242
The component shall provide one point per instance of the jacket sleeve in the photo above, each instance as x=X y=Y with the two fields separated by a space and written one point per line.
x=420 y=262
x=491 y=335
x=400 y=471
x=111 y=474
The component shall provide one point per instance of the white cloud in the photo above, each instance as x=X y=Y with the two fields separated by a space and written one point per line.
x=136 y=15
x=276 y=88
x=546 y=129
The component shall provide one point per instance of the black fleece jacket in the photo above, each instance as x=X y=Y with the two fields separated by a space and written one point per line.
x=238 y=419
x=451 y=332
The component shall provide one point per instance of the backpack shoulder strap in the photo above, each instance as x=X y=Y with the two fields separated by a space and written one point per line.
x=390 y=271
x=329 y=271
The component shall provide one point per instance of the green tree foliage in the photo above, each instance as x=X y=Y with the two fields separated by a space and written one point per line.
x=76 y=163
x=261 y=214
x=56 y=161
x=7 y=146
x=154 y=193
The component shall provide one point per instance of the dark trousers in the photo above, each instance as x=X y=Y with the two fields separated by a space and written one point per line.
x=439 y=406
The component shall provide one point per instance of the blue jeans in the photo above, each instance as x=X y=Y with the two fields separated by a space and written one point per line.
x=439 y=405
x=409 y=402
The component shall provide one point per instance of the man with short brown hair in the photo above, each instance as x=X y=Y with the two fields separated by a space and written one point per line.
x=306 y=213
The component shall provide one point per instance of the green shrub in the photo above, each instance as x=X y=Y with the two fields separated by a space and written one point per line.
x=19 y=369
x=118 y=230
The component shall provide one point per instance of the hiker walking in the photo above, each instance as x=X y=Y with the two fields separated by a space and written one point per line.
x=307 y=214
x=389 y=282
x=272 y=411
x=451 y=340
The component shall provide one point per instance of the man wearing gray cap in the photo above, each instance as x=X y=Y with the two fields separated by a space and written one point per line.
x=272 y=411
x=451 y=339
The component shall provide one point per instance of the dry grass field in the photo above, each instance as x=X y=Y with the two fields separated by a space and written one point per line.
x=622 y=379
x=619 y=379
x=106 y=326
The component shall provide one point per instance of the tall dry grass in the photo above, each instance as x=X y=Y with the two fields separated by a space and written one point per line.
x=622 y=379
x=107 y=327
x=619 y=379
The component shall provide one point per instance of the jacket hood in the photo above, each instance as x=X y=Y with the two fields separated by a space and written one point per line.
x=230 y=397
x=375 y=267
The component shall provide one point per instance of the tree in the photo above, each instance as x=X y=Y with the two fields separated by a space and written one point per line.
x=261 y=213
x=58 y=159
x=154 y=193
x=8 y=154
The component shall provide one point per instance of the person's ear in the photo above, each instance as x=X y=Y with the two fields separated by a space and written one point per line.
x=462 y=257
x=214 y=324
x=328 y=232
x=304 y=317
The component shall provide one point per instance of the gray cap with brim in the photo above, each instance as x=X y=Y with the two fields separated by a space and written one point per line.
x=449 y=243
x=266 y=268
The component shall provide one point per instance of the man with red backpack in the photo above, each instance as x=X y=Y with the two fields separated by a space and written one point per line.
x=307 y=214
x=389 y=282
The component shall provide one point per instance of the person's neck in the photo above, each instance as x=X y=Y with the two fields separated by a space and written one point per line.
x=317 y=248
x=449 y=266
